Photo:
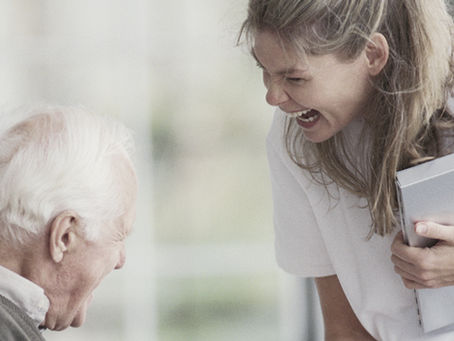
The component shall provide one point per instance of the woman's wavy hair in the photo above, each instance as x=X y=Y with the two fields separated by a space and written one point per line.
x=406 y=118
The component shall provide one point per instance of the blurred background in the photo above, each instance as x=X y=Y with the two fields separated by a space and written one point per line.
x=200 y=262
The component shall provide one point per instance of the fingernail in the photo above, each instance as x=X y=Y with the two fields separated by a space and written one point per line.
x=421 y=228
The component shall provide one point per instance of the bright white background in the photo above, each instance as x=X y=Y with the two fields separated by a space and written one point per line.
x=200 y=262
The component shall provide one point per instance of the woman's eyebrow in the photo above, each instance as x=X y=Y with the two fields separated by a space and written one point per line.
x=256 y=59
x=285 y=71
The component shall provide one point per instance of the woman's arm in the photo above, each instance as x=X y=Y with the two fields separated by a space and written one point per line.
x=341 y=323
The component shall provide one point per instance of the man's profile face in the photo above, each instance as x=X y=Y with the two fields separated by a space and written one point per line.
x=82 y=271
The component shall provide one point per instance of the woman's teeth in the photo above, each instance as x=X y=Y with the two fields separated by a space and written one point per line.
x=308 y=119
x=306 y=116
x=298 y=113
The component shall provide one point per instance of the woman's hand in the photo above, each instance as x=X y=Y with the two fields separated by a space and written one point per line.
x=426 y=267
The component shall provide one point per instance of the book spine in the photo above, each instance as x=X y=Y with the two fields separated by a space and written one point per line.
x=401 y=211
x=418 y=311
x=402 y=224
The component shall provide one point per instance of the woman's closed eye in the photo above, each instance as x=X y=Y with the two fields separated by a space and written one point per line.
x=295 y=79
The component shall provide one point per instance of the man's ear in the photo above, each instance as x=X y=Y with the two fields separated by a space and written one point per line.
x=377 y=53
x=62 y=234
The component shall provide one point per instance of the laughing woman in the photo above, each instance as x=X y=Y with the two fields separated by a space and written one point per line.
x=362 y=90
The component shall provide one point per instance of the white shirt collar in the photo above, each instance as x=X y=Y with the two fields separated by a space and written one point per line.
x=25 y=294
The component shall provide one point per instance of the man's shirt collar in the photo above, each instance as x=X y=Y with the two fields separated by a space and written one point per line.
x=25 y=294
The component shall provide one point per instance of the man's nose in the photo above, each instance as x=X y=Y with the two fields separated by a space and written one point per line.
x=122 y=259
x=275 y=94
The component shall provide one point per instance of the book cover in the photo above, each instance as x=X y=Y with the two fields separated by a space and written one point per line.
x=426 y=193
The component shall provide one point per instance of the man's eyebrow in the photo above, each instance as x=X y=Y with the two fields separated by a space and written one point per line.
x=282 y=72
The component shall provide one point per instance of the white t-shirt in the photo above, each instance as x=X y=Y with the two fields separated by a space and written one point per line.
x=317 y=235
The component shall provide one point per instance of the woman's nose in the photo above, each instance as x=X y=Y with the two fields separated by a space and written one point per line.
x=275 y=94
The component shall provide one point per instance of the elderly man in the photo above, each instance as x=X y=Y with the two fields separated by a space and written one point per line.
x=67 y=198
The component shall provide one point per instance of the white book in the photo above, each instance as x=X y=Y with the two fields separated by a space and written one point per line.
x=426 y=193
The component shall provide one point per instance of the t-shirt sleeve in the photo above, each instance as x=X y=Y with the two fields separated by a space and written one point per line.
x=300 y=249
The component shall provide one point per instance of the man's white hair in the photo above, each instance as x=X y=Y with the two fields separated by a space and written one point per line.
x=62 y=158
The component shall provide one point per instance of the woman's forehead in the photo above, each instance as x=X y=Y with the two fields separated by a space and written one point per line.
x=269 y=49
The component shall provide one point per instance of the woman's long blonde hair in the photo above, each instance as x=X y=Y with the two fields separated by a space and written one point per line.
x=406 y=116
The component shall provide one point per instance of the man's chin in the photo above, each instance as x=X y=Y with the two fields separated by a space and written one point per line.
x=65 y=321
x=56 y=327
x=77 y=322
x=79 y=319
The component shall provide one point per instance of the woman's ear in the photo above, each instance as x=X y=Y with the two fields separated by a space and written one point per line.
x=377 y=53
x=62 y=234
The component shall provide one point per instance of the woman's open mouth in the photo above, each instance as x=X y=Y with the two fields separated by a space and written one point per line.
x=306 y=118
